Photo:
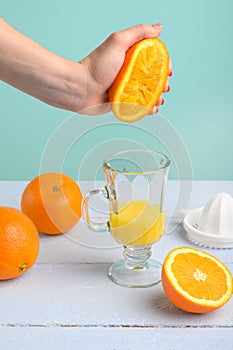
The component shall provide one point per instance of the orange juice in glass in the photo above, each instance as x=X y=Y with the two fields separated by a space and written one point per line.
x=135 y=189
x=137 y=223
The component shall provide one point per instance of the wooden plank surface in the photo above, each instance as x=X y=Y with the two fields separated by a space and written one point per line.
x=82 y=294
x=66 y=299
x=110 y=338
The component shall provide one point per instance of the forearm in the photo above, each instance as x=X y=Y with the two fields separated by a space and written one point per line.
x=40 y=73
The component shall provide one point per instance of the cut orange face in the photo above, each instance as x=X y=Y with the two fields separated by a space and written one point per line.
x=196 y=281
x=140 y=81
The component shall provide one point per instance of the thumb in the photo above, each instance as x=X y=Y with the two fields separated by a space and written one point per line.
x=127 y=37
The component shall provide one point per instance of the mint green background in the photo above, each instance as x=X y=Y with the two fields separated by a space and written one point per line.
x=198 y=35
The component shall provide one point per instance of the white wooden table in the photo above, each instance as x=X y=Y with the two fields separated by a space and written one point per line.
x=66 y=300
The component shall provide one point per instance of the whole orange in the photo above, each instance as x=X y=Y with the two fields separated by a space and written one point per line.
x=53 y=202
x=19 y=243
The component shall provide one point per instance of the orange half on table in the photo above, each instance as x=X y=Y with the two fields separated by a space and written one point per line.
x=196 y=281
x=140 y=81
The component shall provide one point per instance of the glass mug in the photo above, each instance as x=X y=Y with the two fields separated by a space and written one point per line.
x=135 y=189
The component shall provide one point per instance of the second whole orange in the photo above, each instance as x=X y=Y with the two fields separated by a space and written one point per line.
x=53 y=202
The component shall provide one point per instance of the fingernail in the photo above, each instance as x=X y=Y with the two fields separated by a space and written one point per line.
x=170 y=74
x=162 y=101
x=157 y=26
x=168 y=89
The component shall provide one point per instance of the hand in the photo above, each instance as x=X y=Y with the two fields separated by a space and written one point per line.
x=62 y=83
x=105 y=62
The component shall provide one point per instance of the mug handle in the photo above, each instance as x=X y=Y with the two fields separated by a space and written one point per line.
x=94 y=226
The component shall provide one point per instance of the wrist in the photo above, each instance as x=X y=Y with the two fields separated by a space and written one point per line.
x=72 y=86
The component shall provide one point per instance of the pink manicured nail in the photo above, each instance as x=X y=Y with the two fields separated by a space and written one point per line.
x=157 y=26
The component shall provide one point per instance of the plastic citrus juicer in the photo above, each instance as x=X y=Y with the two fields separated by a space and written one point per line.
x=212 y=225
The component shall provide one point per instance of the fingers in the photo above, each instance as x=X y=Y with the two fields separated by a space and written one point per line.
x=127 y=37
x=154 y=110
x=167 y=86
x=160 y=101
x=170 y=68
